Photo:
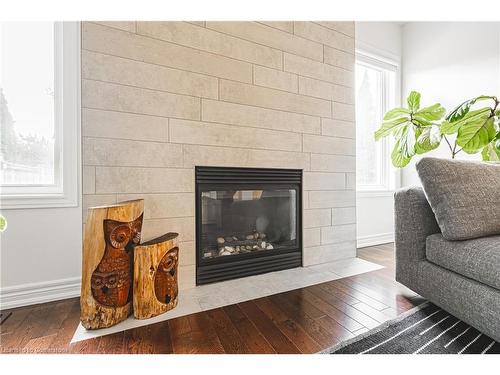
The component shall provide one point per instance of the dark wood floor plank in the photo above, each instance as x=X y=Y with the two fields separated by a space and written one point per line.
x=333 y=289
x=325 y=338
x=39 y=344
x=202 y=326
x=290 y=328
x=112 y=344
x=384 y=282
x=361 y=289
x=193 y=334
x=39 y=324
x=16 y=319
x=55 y=319
x=32 y=327
x=334 y=313
x=4 y=315
x=61 y=343
x=350 y=295
x=228 y=335
x=54 y=327
x=349 y=310
x=138 y=341
x=268 y=329
x=378 y=253
x=161 y=338
x=183 y=340
x=5 y=338
x=298 y=297
x=254 y=340
x=180 y=333
x=388 y=297
x=339 y=333
x=380 y=281
x=86 y=346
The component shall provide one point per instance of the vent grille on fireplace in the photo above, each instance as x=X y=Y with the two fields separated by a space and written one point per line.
x=218 y=175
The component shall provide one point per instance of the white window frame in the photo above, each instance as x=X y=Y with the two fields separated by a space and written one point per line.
x=382 y=59
x=65 y=191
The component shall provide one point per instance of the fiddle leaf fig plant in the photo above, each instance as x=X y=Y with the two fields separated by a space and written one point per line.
x=420 y=130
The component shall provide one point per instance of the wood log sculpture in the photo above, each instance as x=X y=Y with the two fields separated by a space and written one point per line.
x=110 y=235
x=155 y=276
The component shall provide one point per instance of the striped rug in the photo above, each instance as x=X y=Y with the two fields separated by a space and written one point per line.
x=426 y=329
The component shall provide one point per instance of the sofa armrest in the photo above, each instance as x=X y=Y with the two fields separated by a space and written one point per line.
x=414 y=222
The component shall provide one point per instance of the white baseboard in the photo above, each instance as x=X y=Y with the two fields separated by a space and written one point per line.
x=376 y=239
x=34 y=293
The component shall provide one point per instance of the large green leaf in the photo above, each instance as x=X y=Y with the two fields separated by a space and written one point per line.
x=407 y=141
x=404 y=148
x=450 y=127
x=398 y=159
x=491 y=152
x=460 y=111
x=388 y=127
x=428 y=114
x=413 y=101
x=479 y=115
x=428 y=140
x=396 y=113
x=475 y=135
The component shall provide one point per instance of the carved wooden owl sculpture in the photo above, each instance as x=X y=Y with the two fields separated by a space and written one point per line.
x=112 y=279
x=166 y=289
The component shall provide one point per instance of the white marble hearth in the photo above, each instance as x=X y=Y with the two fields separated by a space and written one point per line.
x=211 y=296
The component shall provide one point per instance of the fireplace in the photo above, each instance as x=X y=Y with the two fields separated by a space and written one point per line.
x=248 y=221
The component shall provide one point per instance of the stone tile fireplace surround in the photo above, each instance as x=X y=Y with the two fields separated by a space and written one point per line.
x=159 y=98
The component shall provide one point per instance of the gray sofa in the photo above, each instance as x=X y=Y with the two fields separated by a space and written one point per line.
x=461 y=277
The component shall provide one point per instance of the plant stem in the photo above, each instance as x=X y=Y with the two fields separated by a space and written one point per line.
x=456 y=153
x=449 y=145
x=495 y=107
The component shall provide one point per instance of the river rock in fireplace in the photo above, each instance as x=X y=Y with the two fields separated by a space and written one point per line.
x=239 y=244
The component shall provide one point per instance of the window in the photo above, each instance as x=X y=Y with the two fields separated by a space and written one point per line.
x=376 y=92
x=39 y=114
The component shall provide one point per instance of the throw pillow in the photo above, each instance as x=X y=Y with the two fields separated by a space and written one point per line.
x=464 y=195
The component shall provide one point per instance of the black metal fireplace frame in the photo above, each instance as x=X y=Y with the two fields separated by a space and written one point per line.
x=241 y=265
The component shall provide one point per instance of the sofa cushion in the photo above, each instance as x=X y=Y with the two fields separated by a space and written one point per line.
x=477 y=259
x=464 y=196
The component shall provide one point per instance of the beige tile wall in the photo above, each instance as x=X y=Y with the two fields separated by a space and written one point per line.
x=162 y=97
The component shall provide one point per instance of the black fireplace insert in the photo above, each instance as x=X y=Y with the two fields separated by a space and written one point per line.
x=248 y=221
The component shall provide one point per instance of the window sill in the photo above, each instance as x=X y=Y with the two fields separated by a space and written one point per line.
x=37 y=201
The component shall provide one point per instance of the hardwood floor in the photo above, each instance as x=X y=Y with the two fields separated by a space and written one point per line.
x=305 y=320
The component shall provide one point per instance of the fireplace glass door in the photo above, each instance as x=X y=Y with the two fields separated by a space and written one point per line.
x=248 y=221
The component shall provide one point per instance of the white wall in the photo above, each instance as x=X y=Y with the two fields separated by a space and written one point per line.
x=375 y=218
x=40 y=255
x=382 y=36
x=449 y=62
